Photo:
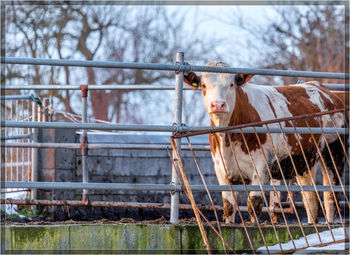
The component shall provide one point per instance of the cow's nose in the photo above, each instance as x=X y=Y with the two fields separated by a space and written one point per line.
x=218 y=106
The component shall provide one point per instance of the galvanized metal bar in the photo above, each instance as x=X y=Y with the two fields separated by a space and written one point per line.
x=11 y=150
x=93 y=87
x=117 y=204
x=171 y=67
x=97 y=146
x=260 y=123
x=174 y=211
x=166 y=128
x=23 y=149
x=17 y=137
x=84 y=142
x=338 y=87
x=17 y=97
x=35 y=152
x=17 y=133
x=29 y=151
x=161 y=187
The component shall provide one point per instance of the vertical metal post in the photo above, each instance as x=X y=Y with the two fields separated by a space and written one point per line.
x=174 y=210
x=84 y=151
x=34 y=153
x=46 y=103
x=274 y=200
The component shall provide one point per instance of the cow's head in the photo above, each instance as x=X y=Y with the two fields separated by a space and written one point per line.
x=219 y=90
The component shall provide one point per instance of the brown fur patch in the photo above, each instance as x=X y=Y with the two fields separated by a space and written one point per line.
x=342 y=95
x=192 y=78
x=228 y=208
x=256 y=203
x=213 y=140
x=204 y=90
x=242 y=79
x=244 y=113
x=237 y=181
x=300 y=104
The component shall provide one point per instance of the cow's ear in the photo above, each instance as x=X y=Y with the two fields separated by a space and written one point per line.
x=242 y=79
x=192 y=79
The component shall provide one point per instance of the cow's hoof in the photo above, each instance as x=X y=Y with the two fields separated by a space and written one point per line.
x=256 y=203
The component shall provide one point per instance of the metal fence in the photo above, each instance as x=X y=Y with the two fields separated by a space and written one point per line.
x=333 y=157
x=178 y=129
x=20 y=163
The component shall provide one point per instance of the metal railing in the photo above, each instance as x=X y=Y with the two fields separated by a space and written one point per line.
x=180 y=68
x=339 y=87
x=20 y=164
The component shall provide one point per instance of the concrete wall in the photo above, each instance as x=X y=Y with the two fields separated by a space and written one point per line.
x=136 y=238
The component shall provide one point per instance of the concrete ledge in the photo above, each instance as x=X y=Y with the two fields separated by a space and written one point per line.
x=182 y=238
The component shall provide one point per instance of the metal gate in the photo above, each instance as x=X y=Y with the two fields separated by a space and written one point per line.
x=333 y=159
x=182 y=131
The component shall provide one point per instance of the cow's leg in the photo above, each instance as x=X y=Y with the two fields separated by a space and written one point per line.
x=309 y=198
x=230 y=206
x=337 y=158
x=255 y=198
x=275 y=200
x=328 y=195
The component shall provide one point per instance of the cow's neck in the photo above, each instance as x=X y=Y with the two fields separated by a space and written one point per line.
x=243 y=112
x=220 y=121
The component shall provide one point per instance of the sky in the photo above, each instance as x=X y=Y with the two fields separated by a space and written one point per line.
x=222 y=22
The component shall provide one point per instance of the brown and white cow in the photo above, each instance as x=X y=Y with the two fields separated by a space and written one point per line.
x=229 y=101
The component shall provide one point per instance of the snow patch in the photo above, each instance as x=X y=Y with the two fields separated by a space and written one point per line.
x=11 y=193
x=313 y=240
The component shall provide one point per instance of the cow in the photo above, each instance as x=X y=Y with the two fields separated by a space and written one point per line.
x=231 y=100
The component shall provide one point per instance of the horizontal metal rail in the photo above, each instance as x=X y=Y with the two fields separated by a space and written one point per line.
x=18 y=97
x=126 y=205
x=92 y=87
x=139 y=205
x=161 y=187
x=17 y=164
x=171 y=67
x=166 y=128
x=340 y=87
x=17 y=137
x=104 y=146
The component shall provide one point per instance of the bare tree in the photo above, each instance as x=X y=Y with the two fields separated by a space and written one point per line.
x=300 y=38
x=116 y=33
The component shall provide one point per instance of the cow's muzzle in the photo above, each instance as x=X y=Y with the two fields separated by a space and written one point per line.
x=218 y=107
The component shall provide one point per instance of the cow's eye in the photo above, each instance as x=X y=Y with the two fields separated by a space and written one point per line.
x=231 y=85
x=203 y=86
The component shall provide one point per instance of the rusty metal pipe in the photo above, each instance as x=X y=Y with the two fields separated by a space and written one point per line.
x=127 y=205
